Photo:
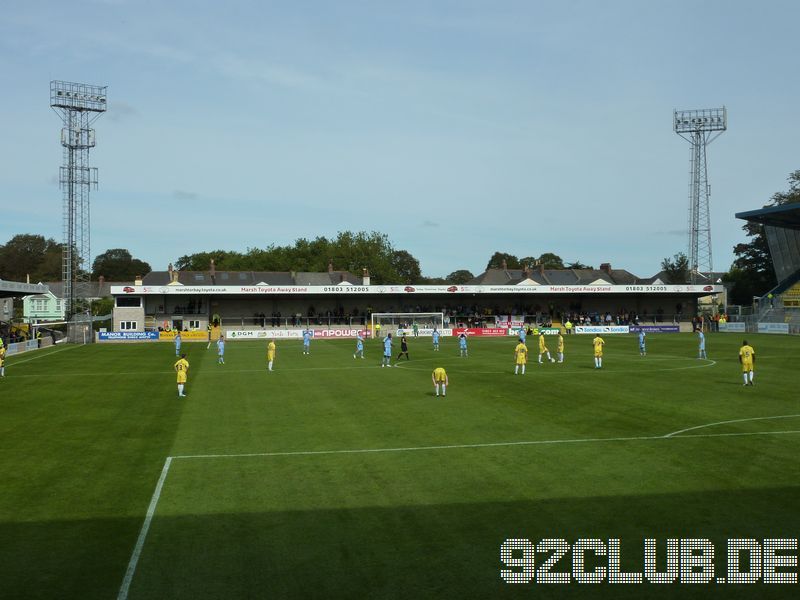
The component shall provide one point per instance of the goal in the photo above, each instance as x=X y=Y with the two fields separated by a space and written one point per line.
x=404 y=322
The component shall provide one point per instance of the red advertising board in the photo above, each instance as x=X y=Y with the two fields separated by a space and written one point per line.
x=339 y=333
x=483 y=331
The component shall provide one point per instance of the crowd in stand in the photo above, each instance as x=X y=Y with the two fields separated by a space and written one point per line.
x=477 y=315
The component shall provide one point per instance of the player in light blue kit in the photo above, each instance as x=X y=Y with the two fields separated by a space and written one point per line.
x=221 y=350
x=701 y=338
x=435 y=336
x=177 y=343
x=387 y=351
x=462 y=345
x=359 y=346
x=307 y=335
x=642 y=346
x=522 y=334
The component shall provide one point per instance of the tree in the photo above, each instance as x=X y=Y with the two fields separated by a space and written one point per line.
x=201 y=261
x=676 y=269
x=548 y=260
x=117 y=264
x=406 y=266
x=349 y=251
x=578 y=265
x=528 y=262
x=459 y=277
x=752 y=273
x=496 y=261
x=29 y=254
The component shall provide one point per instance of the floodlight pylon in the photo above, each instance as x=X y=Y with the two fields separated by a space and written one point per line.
x=78 y=105
x=699 y=128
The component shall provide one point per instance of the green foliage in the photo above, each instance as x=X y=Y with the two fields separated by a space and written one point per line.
x=459 y=277
x=496 y=261
x=348 y=251
x=676 y=269
x=103 y=306
x=29 y=254
x=790 y=197
x=577 y=265
x=117 y=264
x=548 y=260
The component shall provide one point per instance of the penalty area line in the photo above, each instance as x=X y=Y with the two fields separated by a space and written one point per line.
x=676 y=433
x=481 y=445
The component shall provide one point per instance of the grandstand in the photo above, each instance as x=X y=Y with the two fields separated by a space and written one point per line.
x=195 y=300
x=780 y=305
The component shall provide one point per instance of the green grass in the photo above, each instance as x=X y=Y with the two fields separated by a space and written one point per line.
x=85 y=432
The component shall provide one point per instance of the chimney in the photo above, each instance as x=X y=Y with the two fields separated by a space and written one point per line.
x=341 y=277
x=212 y=269
x=606 y=267
x=100 y=282
x=526 y=271
x=330 y=265
x=137 y=280
x=541 y=269
x=28 y=278
x=504 y=266
x=365 y=275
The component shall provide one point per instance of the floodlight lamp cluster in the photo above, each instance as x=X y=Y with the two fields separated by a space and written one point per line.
x=77 y=96
x=712 y=119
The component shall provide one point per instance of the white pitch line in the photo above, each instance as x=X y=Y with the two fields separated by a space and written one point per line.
x=137 y=550
x=674 y=433
x=484 y=445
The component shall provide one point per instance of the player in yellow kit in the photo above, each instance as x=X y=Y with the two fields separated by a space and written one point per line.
x=439 y=377
x=270 y=354
x=521 y=357
x=182 y=370
x=2 y=360
x=598 y=342
x=543 y=349
x=747 y=356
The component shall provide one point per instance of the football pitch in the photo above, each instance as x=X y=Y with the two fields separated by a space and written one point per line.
x=332 y=477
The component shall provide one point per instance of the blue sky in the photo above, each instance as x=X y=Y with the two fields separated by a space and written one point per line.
x=458 y=128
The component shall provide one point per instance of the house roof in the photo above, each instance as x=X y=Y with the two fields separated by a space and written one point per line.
x=248 y=278
x=555 y=277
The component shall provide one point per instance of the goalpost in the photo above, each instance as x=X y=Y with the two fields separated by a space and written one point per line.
x=397 y=322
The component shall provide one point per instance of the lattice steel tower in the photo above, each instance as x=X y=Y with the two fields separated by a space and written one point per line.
x=699 y=128
x=78 y=105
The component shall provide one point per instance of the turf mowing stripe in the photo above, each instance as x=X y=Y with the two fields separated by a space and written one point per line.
x=674 y=433
x=484 y=445
x=137 y=550
x=42 y=355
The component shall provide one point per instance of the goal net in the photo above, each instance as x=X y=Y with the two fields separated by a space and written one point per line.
x=419 y=323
